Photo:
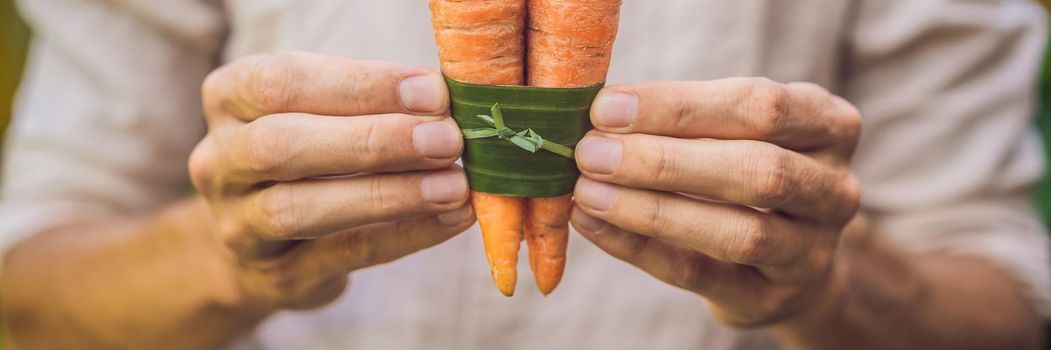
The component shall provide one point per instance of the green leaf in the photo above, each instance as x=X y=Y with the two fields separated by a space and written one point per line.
x=558 y=149
x=530 y=136
x=535 y=137
x=488 y=120
x=472 y=134
x=498 y=116
x=524 y=143
x=527 y=139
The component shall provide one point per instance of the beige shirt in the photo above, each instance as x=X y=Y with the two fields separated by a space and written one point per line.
x=110 y=110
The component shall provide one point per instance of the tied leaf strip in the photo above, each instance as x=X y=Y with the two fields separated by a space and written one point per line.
x=527 y=139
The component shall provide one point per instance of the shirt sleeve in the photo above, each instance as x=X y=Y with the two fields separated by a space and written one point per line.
x=108 y=111
x=948 y=156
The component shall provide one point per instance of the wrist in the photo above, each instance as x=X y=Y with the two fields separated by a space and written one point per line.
x=871 y=285
x=224 y=278
x=826 y=306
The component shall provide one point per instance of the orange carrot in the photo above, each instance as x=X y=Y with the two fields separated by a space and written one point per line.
x=501 y=221
x=483 y=42
x=570 y=43
x=547 y=235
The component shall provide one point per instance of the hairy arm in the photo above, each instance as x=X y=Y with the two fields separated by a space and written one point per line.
x=132 y=283
x=94 y=160
x=884 y=298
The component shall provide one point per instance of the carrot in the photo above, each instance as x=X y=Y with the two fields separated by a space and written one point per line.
x=547 y=235
x=570 y=43
x=501 y=221
x=483 y=42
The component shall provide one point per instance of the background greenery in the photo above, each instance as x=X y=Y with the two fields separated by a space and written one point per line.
x=1043 y=120
x=14 y=38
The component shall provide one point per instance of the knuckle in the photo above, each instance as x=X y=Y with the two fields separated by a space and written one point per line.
x=820 y=261
x=376 y=147
x=850 y=189
x=773 y=183
x=404 y=231
x=266 y=148
x=232 y=233
x=361 y=97
x=277 y=210
x=774 y=306
x=686 y=108
x=662 y=168
x=212 y=88
x=285 y=281
x=752 y=242
x=654 y=218
x=359 y=249
x=201 y=166
x=635 y=248
x=380 y=199
x=850 y=123
x=690 y=274
x=768 y=103
x=271 y=82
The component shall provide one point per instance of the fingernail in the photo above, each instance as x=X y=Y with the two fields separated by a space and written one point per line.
x=444 y=187
x=436 y=140
x=616 y=109
x=456 y=217
x=596 y=195
x=599 y=155
x=422 y=93
x=585 y=223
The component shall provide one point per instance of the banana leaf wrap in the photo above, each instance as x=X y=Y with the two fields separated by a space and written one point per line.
x=499 y=166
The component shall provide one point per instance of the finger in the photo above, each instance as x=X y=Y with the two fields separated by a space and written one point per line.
x=672 y=264
x=726 y=232
x=754 y=300
x=313 y=273
x=285 y=147
x=795 y=116
x=315 y=208
x=259 y=85
x=381 y=243
x=750 y=173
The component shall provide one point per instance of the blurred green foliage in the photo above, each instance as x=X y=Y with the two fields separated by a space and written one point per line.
x=1043 y=120
x=14 y=37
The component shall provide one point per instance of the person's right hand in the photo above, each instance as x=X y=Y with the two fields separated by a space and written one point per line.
x=315 y=166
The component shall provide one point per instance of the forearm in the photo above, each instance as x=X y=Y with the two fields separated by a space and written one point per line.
x=885 y=299
x=139 y=283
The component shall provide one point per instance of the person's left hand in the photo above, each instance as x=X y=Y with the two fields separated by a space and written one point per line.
x=735 y=189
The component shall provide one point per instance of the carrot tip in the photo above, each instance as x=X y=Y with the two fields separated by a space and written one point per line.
x=546 y=288
x=505 y=282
